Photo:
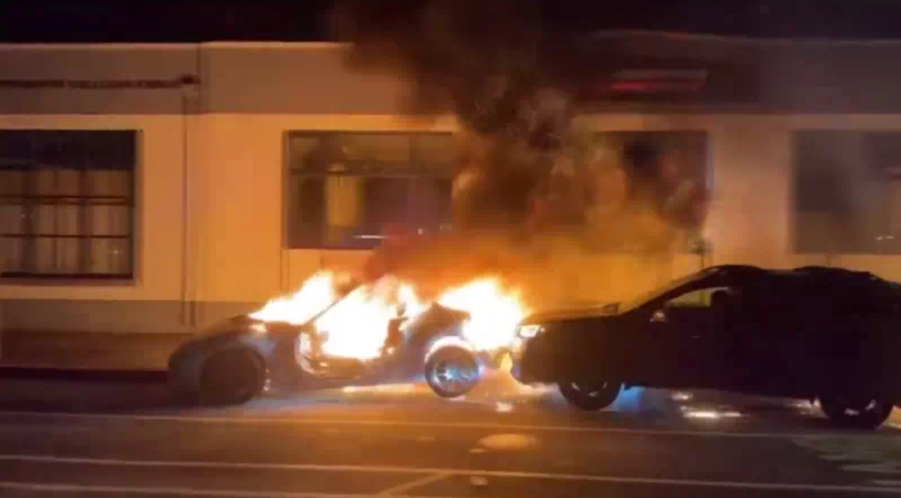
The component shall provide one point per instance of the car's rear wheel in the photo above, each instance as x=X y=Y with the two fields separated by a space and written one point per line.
x=231 y=377
x=855 y=412
x=590 y=396
x=452 y=371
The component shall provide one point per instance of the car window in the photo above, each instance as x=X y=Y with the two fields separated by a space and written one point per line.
x=861 y=297
x=646 y=297
x=697 y=298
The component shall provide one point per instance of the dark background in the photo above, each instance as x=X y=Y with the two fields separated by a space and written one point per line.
x=80 y=21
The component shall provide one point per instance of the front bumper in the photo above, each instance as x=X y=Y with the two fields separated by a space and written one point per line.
x=516 y=369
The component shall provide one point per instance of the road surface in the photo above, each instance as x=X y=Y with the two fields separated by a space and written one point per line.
x=60 y=439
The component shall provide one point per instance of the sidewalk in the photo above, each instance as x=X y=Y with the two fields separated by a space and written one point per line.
x=88 y=351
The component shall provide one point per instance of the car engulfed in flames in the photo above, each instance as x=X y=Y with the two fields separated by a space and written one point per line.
x=334 y=333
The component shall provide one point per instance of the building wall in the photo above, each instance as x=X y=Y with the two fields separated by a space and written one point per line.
x=236 y=258
x=220 y=147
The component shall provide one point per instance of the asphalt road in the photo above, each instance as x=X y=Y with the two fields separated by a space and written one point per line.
x=81 y=438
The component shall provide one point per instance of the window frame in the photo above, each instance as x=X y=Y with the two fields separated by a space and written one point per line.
x=85 y=202
x=291 y=238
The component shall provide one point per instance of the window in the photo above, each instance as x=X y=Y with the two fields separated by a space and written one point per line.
x=67 y=203
x=698 y=298
x=665 y=170
x=353 y=190
x=847 y=187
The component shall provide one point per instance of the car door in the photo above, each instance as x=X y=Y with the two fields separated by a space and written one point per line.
x=690 y=337
x=772 y=331
x=758 y=324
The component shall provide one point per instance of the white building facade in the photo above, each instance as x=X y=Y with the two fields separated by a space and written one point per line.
x=157 y=188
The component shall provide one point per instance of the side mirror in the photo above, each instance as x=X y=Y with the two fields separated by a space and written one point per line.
x=610 y=309
x=658 y=316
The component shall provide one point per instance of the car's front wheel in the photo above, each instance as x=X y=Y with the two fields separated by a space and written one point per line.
x=590 y=396
x=452 y=371
x=231 y=377
x=855 y=413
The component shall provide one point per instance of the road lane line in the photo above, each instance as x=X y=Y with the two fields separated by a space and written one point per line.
x=440 y=425
x=415 y=483
x=167 y=491
x=766 y=486
x=111 y=462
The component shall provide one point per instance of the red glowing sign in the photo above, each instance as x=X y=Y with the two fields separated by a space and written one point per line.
x=654 y=81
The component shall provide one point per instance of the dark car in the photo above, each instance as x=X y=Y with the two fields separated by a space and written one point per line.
x=817 y=333
x=240 y=358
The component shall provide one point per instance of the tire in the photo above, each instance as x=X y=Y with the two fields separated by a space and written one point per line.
x=850 y=413
x=452 y=371
x=590 y=397
x=231 y=377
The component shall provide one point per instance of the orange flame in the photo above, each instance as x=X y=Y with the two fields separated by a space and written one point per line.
x=357 y=326
x=493 y=313
x=314 y=295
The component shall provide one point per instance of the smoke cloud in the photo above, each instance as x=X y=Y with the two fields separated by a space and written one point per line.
x=529 y=187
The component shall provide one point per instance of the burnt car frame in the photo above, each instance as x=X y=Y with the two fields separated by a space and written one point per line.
x=241 y=358
x=817 y=333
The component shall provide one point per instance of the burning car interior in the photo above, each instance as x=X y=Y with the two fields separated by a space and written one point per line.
x=377 y=332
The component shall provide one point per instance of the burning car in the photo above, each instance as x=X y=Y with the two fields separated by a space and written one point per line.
x=325 y=337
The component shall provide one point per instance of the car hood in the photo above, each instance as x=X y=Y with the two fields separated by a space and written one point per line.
x=230 y=329
x=589 y=311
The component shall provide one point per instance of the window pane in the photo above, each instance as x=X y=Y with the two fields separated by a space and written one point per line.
x=305 y=152
x=68 y=220
x=44 y=261
x=44 y=222
x=65 y=194
x=115 y=183
x=12 y=219
x=106 y=219
x=845 y=186
x=12 y=182
x=350 y=189
x=43 y=182
x=433 y=151
x=15 y=150
x=110 y=257
x=67 y=252
x=68 y=182
x=664 y=169
x=13 y=254
x=430 y=204
x=344 y=208
x=378 y=147
x=307 y=211
x=386 y=203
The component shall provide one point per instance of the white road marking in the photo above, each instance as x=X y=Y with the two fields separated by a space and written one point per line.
x=853 y=455
x=415 y=483
x=167 y=491
x=239 y=420
x=768 y=486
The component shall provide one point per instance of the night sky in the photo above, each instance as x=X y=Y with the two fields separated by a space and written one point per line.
x=79 y=21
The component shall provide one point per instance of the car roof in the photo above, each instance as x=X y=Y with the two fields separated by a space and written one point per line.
x=811 y=272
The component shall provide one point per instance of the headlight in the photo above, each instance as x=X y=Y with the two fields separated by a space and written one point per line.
x=529 y=331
